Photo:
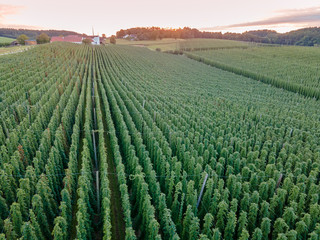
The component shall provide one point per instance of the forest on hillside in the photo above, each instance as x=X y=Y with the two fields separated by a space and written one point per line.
x=32 y=34
x=301 y=37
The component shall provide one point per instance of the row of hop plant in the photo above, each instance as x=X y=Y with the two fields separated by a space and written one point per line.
x=120 y=169
x=44 y=194
x=221 y=165
x=143 y=210
x=311 y=92
x=63 y=222
x=158 y=198
x=162 y=150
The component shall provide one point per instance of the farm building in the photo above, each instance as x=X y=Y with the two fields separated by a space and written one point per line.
x=57 y=39
x=73 y=39
x=69 y=38
x=14 y=43
x=30 y=42
x=95 y=40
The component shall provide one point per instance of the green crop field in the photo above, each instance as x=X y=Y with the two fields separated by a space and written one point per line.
x=206 y=44
x=15 y=49
x=118 y=142
x=294 y=68
x=169 y=44
x=6 y=40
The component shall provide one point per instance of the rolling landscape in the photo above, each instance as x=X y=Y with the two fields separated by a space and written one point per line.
x=155 y=133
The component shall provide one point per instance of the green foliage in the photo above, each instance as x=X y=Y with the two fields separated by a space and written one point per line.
x=156 y=124
x=113 y=39
x=43 y=38
x=244 y=235
x=28 y=232
x=16 y=217
x=231 y=226
x=282 y=67
x=86 y=41
x=22 y=38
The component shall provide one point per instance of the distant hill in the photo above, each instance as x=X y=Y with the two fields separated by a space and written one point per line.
x=302 y=37
x=4 y=41
x=32 y=34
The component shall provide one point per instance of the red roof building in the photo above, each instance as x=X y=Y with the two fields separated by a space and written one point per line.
x=73 y=39
x=69 y=38
x=57 y=39
x=96 y=40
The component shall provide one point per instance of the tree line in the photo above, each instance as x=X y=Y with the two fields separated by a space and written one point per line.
x=32 y=34
x=302 y=37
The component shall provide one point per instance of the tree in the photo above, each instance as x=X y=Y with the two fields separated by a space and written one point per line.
x=187 y=222
x=60 y=228
x=257 y=234
x=4 y=211
x=9 y=230
x=252 y=216
x=113 y=39
x=281 y=236
x=301 y=229
x=244 y=234
x=291 y=235
x=216 y=235
x=22 y=38
x=222 y=214
x=82 y=231
x=43 y=38
x=265 y=227
x=28 y=232
x=289 y=216
x=231 y=226
x=207 y=226
x=41 y=217
x=194 y=228
x=22 y=200
x=36 y=225
x=16 y=217
x=242 y=223
x=280 y=226
x=86 y=41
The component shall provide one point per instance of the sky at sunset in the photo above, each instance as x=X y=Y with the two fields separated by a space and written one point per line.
x=108 y=16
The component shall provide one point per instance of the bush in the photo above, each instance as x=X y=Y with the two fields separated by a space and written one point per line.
x=43 y=38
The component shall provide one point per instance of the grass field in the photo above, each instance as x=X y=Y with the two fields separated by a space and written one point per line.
x=116 y=142
x=186 y=44
x=16 y=49
x=6 y=40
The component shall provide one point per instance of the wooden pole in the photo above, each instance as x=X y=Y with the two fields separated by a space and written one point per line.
x=98 y=191
x=94 y=149
x=279 y=181
x=202 y=189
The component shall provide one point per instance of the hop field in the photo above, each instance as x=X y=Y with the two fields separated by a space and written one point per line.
x=180 y=45
x=116 y=142
x=295 y=69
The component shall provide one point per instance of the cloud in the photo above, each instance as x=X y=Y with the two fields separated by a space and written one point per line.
x=6 y=10
x=307 y=16
x=21 y=26
x=9 y=10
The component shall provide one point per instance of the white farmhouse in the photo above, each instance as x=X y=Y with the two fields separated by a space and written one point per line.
x=95 y=40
